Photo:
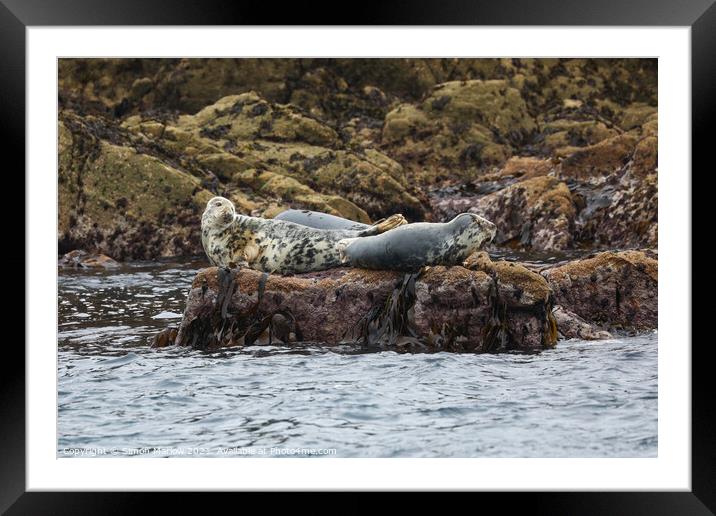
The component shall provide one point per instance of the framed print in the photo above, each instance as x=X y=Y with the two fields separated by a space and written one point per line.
x=440 y=249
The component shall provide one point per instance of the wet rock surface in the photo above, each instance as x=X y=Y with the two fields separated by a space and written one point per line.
x=611 y=289
x=485 y=305
x=571 y=326
x=441 y=308
x=79 y=259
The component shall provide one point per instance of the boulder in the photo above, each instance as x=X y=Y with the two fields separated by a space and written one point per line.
x=537 y=213
x=460 y=128
x=441 y=308
x=79 y=259
x=615 y=289
x=121 y=200
x=571 y=326
x=601 y=159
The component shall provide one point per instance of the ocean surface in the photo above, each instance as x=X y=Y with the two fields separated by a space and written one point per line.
x=118 y=397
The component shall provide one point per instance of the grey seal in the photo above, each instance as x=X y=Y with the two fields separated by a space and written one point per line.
x=409 y=247
x=319 y=220
x=276 y=246
x=285 y=247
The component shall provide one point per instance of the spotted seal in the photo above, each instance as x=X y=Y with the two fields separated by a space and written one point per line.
x=270 y=245
x=282 y=246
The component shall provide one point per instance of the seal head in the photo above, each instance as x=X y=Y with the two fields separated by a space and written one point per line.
x=219 y=213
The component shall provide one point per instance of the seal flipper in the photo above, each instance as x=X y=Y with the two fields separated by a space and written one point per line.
x=382 y=226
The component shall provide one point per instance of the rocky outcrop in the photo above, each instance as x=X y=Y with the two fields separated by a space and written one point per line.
x=598 y=196
x=342 y=89
x=116 y=200
x=442 y=308
x=481 y=306
x=612 y=289
x=79 y=259
x=538 y=213
x=279 y=154
x=561 y=154
x=460 y=126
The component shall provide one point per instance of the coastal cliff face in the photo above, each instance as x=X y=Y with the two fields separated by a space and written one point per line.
x=560 y=153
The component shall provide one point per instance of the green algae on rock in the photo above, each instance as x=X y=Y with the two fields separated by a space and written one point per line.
x=366 y=138
x=122 y=202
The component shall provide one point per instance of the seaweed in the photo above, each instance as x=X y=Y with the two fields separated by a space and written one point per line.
x=215 y=326
x=390 y=324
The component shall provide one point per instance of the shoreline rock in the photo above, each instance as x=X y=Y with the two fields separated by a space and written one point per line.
x=441 y=308
x=80 y=259
x=615 y=289
x=571 y=326
x=481 y=306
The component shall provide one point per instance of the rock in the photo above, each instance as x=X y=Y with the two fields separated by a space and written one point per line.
x=82 y=259
x=323 y=93
x=563 y=134
x=600 y=160
x=250 y=117
x=447 y=202
x=187 y=85
x=622 y=213
x=636 y=115
x=516 y=284
x=164 y=338
x=536 y=213
x=118 y=200
x=243 y=135
x=612 y=289
x=571 y=326
x=615 y=185
x=525 y=168
x=600 y=196
x=443 y=308
x=291 y=190
x=462 y=125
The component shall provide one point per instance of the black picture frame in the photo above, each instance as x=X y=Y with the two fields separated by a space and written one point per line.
x=17 y=15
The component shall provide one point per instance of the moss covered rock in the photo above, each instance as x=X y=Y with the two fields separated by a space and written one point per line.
x=116 y=200
x=461 y=126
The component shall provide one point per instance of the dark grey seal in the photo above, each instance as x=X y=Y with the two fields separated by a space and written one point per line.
x=409 y=247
